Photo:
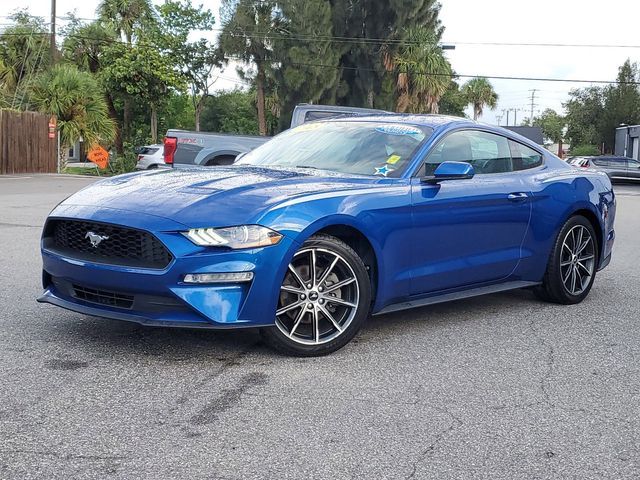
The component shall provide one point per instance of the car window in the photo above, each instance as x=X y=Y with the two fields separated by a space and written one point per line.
x=633 y=164
x=486 y=152
x=601 y=162
x=524 y=157
x=147 y=150
x=618 y=162
x=358 y=147
x=319 y=115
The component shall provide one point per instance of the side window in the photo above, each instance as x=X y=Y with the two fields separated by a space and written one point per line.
x=312 y=115
x=524 y=157
x=618 y=163
x=486 y=152
x=601 y=162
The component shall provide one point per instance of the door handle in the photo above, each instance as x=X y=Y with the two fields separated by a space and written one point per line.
x=517 y=197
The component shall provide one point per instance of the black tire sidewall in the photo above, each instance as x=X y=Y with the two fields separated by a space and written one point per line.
x=284 y=344
x=553 y=279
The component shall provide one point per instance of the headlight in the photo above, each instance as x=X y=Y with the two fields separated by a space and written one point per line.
x=244 y=236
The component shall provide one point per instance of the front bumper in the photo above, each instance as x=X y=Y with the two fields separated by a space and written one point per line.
x=161 y=298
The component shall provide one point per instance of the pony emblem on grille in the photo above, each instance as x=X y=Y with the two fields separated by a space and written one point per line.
x=95 y=239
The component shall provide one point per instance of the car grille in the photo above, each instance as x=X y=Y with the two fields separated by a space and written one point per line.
x=103 y=297
x=150 y=304
x=118 y=245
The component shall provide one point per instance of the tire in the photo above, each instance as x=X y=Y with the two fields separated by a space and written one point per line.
x=313 y=317
x=220 y=160
x=572 y=265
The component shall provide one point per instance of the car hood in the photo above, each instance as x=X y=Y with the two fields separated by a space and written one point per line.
x=214 y=196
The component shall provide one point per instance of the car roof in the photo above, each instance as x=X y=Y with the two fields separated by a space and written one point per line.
x=433 y=121
x=426 y=120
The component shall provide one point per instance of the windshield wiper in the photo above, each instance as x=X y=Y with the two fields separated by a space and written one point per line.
x=308 y=166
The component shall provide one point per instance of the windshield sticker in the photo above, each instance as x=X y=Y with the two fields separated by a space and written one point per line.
x=393 y=159
x=384 y=170
x=399 y=130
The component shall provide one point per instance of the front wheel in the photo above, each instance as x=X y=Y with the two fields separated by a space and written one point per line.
x=572 y=265
x=323 y=301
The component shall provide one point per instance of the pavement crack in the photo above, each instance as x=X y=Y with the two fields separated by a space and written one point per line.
x=62 y=456
x=455 y=422
x=549 y=362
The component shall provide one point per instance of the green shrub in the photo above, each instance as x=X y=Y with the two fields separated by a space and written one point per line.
x=585 y=150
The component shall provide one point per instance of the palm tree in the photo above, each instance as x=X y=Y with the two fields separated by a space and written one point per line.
x=480 y=93
x=85 y=46
x=124 y=16
x=77 y=101
x=246 y=34
x=24 y=52
x=424 y=73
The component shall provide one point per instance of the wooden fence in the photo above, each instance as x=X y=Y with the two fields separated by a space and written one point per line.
x=25 y=146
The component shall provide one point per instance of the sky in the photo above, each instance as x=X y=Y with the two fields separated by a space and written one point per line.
x=469 y=24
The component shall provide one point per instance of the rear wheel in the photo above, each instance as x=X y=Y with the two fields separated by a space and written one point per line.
x=572 y=265
x=323 y=301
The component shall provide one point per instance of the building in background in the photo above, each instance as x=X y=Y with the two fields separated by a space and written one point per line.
x=628 y=141
x=532 y=133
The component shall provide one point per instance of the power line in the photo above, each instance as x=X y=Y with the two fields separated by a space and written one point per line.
x=544 y=45
x=364 y=69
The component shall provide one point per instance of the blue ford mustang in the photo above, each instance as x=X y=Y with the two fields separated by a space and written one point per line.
x=327 y=223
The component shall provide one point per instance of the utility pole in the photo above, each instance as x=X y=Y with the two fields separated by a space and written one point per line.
x=508 y=111
x=533 y=104
x=53 y=31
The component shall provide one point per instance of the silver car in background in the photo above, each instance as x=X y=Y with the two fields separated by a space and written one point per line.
x=150 y=156
x=617 y=168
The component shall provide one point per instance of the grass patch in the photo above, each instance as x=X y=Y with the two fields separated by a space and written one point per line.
x=89 y=172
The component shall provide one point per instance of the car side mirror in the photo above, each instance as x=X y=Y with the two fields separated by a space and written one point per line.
x=450 y=171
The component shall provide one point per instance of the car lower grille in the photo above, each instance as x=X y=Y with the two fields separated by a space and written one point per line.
x=103 y=297
x=145 y=303
x=105 y=243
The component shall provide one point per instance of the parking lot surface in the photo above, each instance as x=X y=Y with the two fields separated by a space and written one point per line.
x=501 y=386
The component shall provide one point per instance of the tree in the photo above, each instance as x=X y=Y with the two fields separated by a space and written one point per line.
x=453 y=102
x=195 y=59
x=127 y=17
x=552 y=126
x=87 y=46
x=24 y=53
x=621 y=103
x=307 y=59
x=141 y=71
x=480 y=93
x=362 y=64
x=247 y=35
x=77 y=101
x=424 y=74
x=231 y=112
x=585 y=111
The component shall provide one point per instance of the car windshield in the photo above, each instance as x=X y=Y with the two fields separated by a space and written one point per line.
x=363 y=148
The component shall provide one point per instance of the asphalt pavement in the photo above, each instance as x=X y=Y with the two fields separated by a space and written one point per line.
x=496 y=387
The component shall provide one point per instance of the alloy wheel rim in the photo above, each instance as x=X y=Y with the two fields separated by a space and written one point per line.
x=577 y=260
x=319 y=297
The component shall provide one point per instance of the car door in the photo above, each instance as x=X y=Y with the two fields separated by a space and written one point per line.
x=468 y=232
x=617 y=167
x=633 y=168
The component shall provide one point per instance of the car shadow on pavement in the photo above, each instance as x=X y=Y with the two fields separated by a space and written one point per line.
x=103 y=337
